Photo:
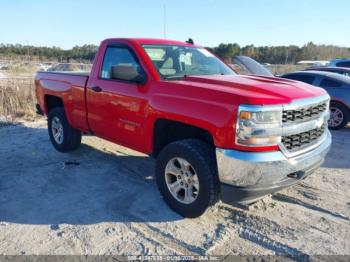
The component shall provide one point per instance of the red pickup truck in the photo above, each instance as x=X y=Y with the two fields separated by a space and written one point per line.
x=215 y=134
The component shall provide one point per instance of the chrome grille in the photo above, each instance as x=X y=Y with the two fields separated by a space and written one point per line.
x=301 y=140
x=304 y=113
x=304 y=124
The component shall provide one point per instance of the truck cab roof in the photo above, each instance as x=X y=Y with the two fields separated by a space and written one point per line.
x=150 y=41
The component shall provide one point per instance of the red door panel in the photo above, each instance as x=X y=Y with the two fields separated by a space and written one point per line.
x=118 y=112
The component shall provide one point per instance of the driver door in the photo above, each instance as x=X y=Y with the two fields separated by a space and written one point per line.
x=116 y=107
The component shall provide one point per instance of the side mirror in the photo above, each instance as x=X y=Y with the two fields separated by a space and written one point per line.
x=128 y=73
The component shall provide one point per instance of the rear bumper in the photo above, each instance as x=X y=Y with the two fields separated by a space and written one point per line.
x=248 y=176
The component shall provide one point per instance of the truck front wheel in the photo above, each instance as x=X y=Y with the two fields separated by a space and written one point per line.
x=63 y=137
x=186 y=176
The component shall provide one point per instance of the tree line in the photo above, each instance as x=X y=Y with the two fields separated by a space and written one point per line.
x=264 y=54
x=282 y=54
x=84 y=53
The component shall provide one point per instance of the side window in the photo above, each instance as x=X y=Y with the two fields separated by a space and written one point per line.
x=344 y=64
x=309 y=79
x=330 y=83
x=118 y=57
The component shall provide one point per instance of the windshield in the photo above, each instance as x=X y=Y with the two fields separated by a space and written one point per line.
x=173 y=61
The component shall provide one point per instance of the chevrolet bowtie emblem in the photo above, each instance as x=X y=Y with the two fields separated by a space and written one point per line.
x=319 y=122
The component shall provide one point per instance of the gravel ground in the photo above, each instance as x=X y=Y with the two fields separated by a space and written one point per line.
x=102 y=199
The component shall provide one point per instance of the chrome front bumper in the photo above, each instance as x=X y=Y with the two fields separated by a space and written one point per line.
x=269 y=169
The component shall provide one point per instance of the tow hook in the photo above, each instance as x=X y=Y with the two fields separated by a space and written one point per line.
x=294 y=175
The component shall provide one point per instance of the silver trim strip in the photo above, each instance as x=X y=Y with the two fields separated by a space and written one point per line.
x=262 y=108
x=297 y=128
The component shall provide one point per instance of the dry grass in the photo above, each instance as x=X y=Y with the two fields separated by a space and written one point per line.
x=21 y=69
x=17 y=95
x=17 y=98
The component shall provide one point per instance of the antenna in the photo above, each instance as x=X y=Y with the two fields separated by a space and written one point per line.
x=164 y=21
x=190 y=41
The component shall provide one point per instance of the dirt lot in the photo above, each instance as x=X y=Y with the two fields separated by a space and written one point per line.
x=102 y=199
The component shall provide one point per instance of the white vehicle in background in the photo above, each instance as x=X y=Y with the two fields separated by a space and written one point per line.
x=43 y=66
x=313 y=62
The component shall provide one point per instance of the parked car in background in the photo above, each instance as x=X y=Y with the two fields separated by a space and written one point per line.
x=247 y=66
x=340 y=62
x=338 y=86
x=339 y=70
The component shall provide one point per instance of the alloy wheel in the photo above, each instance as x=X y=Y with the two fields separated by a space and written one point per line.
x=57 y=130
x=182 y=180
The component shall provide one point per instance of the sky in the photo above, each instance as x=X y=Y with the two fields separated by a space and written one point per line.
x=66 y=23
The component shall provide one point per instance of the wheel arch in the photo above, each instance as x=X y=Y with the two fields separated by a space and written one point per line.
x=52 y=101
x=167 y=131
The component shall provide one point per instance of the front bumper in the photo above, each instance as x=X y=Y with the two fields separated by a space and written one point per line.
x=247 y=176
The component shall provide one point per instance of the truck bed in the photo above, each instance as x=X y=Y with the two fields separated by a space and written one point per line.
x=70 y=88
x=74 y=78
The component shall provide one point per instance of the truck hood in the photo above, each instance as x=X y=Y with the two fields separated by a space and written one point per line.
x=256 y=89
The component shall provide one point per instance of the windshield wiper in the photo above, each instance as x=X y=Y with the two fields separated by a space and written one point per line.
x=175 y=77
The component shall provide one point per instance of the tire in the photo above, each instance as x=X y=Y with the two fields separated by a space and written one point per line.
x=340 y=116
x=202 y=170
x=71 y=138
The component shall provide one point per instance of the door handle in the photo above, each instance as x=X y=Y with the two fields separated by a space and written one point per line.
x=96 y=88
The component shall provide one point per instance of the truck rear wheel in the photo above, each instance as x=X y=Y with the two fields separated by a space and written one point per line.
x=186 y=176
x=63 y=137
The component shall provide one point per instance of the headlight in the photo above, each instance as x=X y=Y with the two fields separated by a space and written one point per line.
x=259 y=125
